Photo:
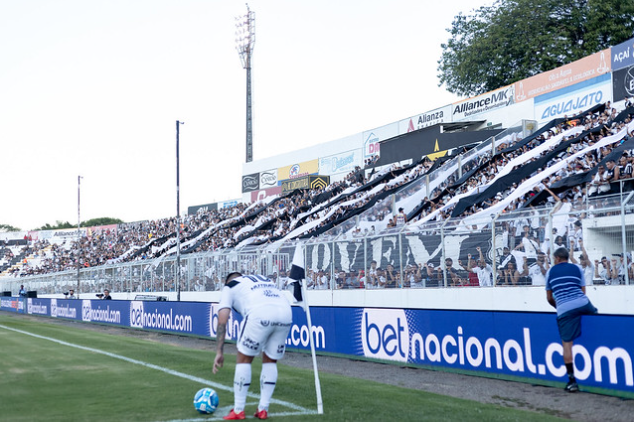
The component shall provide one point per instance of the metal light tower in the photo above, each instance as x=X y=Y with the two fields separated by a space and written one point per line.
x=245 y=40
x=78 y=231
x=178 y=213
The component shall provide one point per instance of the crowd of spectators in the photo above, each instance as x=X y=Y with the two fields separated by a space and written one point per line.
x=593 y=126
x=309 y=212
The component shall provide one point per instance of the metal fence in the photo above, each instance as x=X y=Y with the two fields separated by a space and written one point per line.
x=506 y=250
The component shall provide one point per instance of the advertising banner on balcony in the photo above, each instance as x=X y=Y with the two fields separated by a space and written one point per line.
x=490 y=101
x=265 y=193
x=250 y=182
x=202 y=208
x=573 y=99
x=298 y=170
x=623 y=83
x=307 y=182
x=372 y=139
x=340 y=163
x=623 y=55
x=423 y=120
x=268 y=179
x=581 y=70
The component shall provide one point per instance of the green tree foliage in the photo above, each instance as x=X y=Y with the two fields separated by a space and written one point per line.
x=8 y=228
x=57 y=226
x=103 y=221
x=514 y=39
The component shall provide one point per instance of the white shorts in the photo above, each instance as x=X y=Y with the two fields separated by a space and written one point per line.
x=265 y=329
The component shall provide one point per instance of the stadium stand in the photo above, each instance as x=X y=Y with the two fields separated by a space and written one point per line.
x=564 y=163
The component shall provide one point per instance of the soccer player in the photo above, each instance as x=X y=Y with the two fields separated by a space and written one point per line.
x=566 y=292
x=267 y=320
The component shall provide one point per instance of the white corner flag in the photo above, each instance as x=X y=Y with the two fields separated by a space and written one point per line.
x=299 y=293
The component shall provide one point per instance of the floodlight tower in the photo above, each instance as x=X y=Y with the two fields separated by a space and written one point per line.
x=78 y=231
x=245 y=40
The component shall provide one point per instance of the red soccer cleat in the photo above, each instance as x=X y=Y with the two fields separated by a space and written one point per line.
x=261 y=414
x=232 y=416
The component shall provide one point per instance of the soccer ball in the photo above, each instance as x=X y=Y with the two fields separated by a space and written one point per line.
x=206 y=400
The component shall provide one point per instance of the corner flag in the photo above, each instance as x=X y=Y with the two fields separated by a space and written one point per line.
x=298 y=273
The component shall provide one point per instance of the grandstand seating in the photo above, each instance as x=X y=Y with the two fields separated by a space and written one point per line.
x=555 y=163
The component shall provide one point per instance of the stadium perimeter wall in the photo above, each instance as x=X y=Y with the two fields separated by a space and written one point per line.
x=522 y=346
x=613 y=300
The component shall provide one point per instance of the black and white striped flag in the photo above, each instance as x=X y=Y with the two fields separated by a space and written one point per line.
x=298 y=273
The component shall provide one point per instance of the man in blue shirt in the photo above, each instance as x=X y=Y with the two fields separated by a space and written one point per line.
x=566 y=291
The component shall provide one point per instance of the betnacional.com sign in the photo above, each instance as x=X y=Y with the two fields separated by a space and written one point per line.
x=511 y=345
x=490 y=101
x=581 y=70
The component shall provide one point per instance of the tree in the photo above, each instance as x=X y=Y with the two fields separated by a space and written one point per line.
x=59 y=225
x=103 y=221
x=8 y=228
x=514 y=39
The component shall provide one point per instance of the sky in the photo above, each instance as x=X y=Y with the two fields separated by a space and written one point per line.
x=94 y=89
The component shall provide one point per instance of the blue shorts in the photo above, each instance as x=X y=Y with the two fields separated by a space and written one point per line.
x=570 y=323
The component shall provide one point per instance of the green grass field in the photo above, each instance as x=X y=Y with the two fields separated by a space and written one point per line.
x=51 y=379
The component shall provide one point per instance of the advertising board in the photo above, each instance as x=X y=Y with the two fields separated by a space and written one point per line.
x=268 y=179
x=298 y=170
x=490 y=101
x=250 y=182
x=573 y=99
x=564 y=76
x=307 y=182
x=340 y=163
x=623 y=83
x=524 y=345
x=202 y=208
x=265 y=193
x=622 y=55
x=423 y=120
x=372 y=139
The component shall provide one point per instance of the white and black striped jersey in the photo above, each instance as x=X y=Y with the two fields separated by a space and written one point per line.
x=249 y=292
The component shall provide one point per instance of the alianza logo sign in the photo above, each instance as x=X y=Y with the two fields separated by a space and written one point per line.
x=387 y=334
x=139 y=318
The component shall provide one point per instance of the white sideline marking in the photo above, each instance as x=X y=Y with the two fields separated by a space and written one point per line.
x=299 y=409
